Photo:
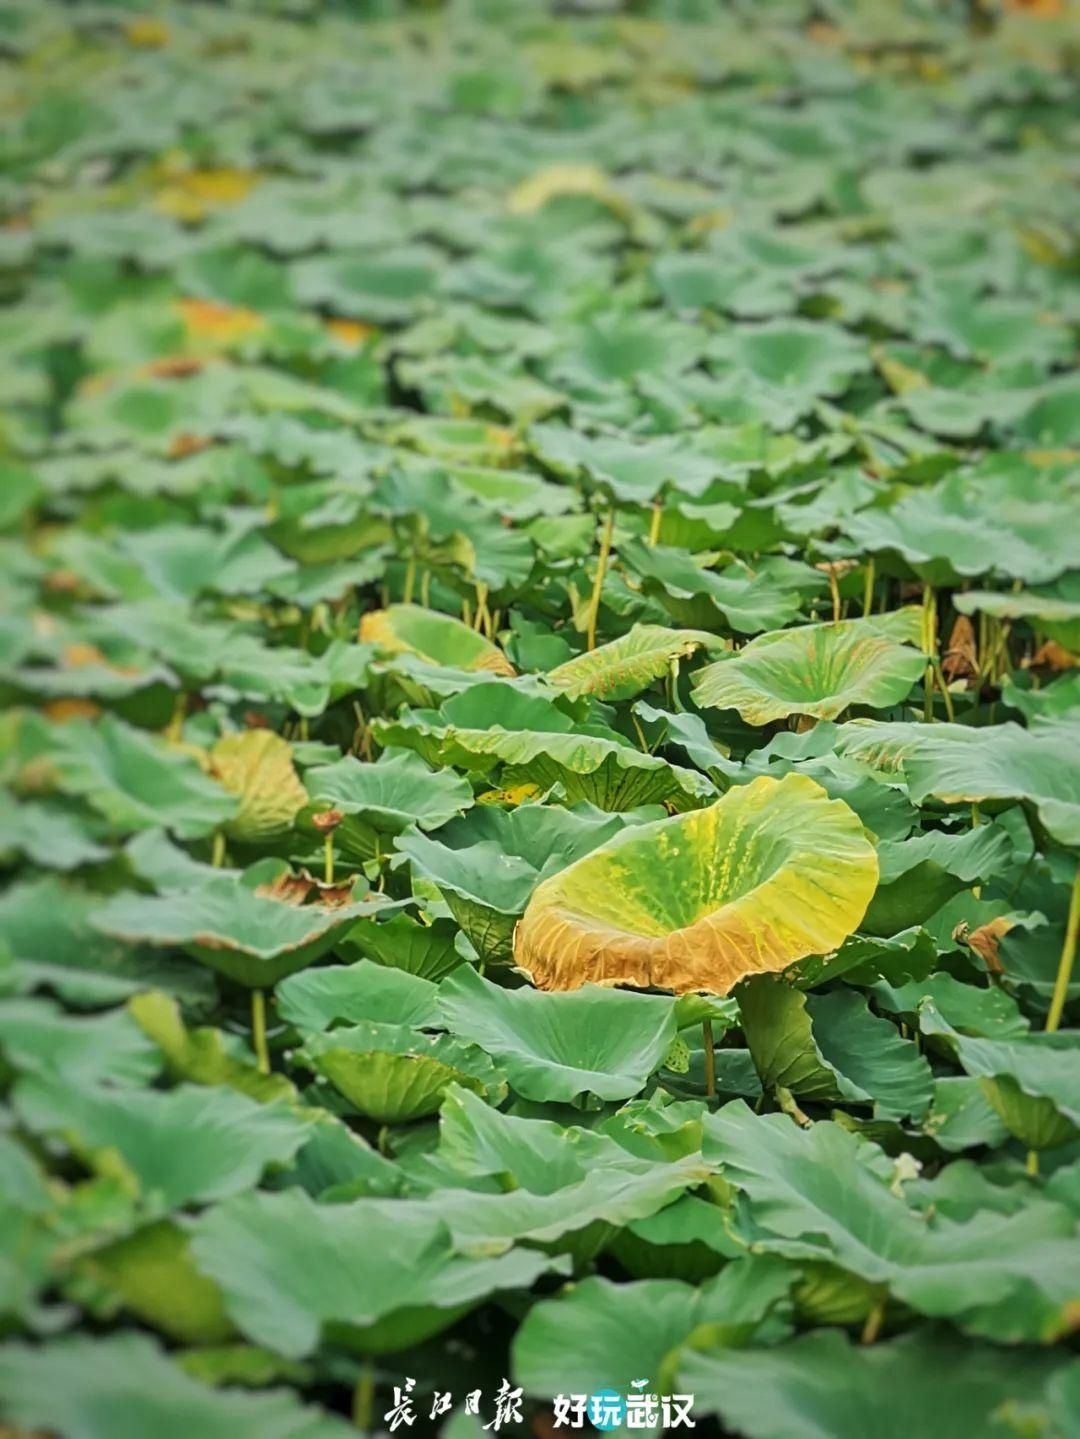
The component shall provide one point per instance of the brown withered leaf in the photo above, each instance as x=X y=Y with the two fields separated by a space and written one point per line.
x=961 y=658
x=985 y=940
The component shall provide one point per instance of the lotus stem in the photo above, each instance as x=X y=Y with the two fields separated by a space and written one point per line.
x=872 y=1327
x=654 y=523
x=1032 y=1163
x=304 y=729
x=710 y=1058
x=410 y=580
x=868 y=588
x=217 y=856
x=175 y=730
x=640 y=733
x=258 y=1030
x=328 y=857
x=363 y=1409
x=834 y=591
x=425 y=588
x=598 y=583
x=1068 y=956
x=673 y=687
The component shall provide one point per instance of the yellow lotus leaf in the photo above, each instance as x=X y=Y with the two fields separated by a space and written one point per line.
x=440 y=639
x=771 y=873
x=190 y=195
x=257 y=765
x=223 y=325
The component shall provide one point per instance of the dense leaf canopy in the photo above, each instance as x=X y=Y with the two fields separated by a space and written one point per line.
x=540 y=659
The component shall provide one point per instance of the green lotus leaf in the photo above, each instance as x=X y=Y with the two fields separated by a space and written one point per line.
x=382 y=799
x=203 y=1055
x=624 y=667
x=487 y=864
x=131 y=778
x=825 y=1383
x=438 y=638
x=257 y=766
x=744 y=599
x=559 y=1047
x=920 y=873
x=150 y=1274
x=426 y=950
x=625 y=1331
x=51 y=835
x=253 y=934
x=770 y=873
x=307 y=683
x=831 y=1048
x=959 y=765
x=817 y=670
x=968 y=1008
x=124 y=1387
x=394 y=1074
x=540 y=746
x=822 y=1194
x=961 y=1117
x=1032 y=1081
x=1009 y=521
x=356 y=994
x=186 y=1145
x=991 y=329
x=38 y=1037
x=632 y=471
x=366 y=286
x=780 y=368
x=373 y=1276
x=46 y=924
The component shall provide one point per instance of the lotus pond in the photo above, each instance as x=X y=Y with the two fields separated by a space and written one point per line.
x=541 y=739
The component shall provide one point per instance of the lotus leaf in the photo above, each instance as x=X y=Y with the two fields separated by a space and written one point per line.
x=254 y=935
x=624 y=667
x=770 y=873
x=257 y=766
x=817 y=670
x=488 y=864
x=377 y=1275
x=393 y=1074
x=440 y=639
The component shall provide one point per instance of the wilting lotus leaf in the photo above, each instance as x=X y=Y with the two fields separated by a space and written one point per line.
x=440 y=639
x=960 y=765
x=374 y=1275
x=624 y=667
x=561 y=1046
x=190 y=1144
x=488 y=863
x=825 y=1383
x=382 y=799
x=772 y=872
x=817 y=670
x=624 y=1331
x=257 y=766
x=540 y=745
x=354 y=994
x=253 y=933
x=123 y=1387
x=394 y=1074
x=130 y=777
